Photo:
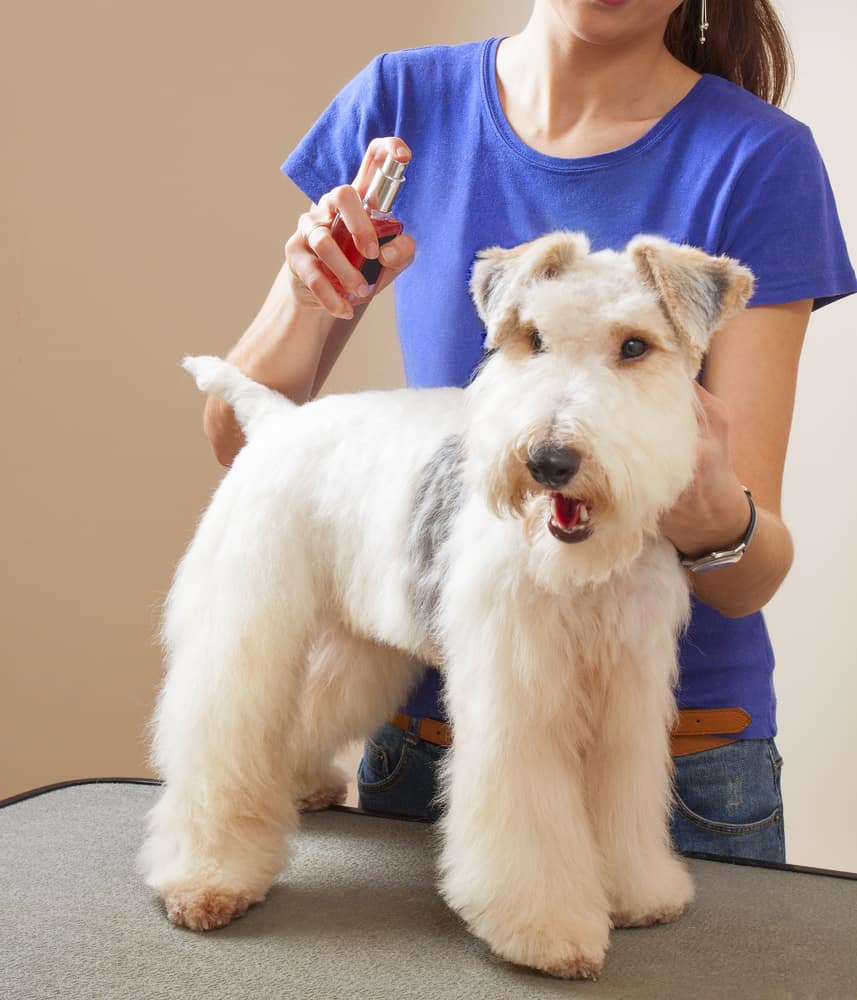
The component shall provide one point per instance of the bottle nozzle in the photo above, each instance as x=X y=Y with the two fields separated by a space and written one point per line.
x=385 y=184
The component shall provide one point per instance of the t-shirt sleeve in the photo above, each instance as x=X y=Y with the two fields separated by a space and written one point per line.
x=782 y=223
x=332 y=151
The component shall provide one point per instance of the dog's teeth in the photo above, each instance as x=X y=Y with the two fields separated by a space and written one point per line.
x=584 y=514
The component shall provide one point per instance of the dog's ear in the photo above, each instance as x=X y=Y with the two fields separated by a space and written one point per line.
x=499 y=275
x=696 y=292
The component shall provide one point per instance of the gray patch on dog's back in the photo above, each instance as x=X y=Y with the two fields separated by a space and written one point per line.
x=438 y=500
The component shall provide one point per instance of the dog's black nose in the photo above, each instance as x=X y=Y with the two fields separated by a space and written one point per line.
x=554 y=467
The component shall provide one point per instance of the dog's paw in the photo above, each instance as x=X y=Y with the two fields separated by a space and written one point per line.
x=319 y=786
x=647 y=918
x=568 y=948
x=658 y=896
x=206 y=909
x=554 y=955
x=321 y=798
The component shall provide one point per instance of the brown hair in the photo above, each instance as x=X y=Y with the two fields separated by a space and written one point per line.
x=745 y=43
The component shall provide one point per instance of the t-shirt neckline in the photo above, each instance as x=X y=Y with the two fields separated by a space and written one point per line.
x=513 y=140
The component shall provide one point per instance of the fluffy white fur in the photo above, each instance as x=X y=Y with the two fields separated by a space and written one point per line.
x=314 y=584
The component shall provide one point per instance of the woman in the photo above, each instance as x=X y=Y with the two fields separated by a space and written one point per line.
x=614 y=117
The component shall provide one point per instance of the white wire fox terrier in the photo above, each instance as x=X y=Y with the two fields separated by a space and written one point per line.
x=507 y=532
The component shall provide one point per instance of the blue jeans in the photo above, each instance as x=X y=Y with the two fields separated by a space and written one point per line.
x=727 y=801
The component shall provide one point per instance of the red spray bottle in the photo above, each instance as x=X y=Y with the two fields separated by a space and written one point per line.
x=378 y=201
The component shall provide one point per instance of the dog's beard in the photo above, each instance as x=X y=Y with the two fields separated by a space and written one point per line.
x=509 y=486
x=619 y=519
x=511 y=491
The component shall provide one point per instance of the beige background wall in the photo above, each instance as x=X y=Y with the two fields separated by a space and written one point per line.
x=142 y=217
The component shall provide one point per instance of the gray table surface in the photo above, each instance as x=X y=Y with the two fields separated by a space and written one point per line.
x=356 y=915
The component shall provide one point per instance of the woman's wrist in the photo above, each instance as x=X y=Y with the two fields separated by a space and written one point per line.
x=748 y=585
x=721 y=523
x=711 y=523
x=723 y=555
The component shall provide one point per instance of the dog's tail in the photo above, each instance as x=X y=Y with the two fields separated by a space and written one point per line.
x=250 y=400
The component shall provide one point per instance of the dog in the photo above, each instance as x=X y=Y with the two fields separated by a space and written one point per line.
x=506 y=532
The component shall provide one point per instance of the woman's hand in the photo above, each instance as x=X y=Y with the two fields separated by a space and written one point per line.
x=312 y=254
x=712 y=513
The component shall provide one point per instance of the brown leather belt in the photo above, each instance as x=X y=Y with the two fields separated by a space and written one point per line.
x=695 y=729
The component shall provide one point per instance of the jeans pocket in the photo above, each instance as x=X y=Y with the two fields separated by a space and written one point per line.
x=382 y=764
x=397 y=775
x=719 y=826
x=728 y=801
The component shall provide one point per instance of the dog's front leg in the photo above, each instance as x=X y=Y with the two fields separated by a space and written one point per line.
x=519 y=861
x=629 y=771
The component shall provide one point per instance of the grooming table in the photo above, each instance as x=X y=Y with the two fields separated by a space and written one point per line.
x=357 y=916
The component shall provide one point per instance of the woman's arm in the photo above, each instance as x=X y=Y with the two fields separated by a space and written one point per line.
x=282 y=349
x=748 y=398
x=305 y=323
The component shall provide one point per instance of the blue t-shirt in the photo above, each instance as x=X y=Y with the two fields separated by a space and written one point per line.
x=722 y=170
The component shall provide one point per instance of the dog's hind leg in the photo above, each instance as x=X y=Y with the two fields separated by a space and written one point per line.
x=353 y=684
x=237 y=631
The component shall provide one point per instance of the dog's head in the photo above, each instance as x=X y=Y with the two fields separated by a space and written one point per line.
x=583 y=413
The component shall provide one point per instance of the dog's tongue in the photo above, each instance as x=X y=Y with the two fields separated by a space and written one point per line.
x=566 y=510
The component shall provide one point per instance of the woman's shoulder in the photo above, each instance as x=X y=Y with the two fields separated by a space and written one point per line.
x=433 y=65
x=429 y=56
x=732 y=110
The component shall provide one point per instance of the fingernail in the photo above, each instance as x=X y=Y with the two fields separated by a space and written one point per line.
x=389 y=256
x=401 y=151
x=362 y=291
x=372 y=250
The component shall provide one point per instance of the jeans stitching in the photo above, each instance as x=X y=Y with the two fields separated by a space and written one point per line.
x=775 y=757
x=735 y=829
x=382 y=758
x=699 y=822
x=777 y=768
x=378 y=786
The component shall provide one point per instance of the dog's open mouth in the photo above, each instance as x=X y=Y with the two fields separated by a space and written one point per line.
x=569 y=518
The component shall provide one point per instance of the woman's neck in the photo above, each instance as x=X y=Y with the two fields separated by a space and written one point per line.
x=569 y=97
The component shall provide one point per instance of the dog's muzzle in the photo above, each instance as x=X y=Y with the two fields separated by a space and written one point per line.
x=554 y=467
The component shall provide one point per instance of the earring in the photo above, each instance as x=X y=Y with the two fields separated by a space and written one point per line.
x=703 y=22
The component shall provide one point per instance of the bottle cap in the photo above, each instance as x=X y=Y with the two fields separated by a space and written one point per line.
x=385 y=185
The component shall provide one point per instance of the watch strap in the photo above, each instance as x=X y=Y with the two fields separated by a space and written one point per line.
x=723 y=557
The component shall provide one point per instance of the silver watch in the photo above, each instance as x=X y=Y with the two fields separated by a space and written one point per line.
x=723 y=557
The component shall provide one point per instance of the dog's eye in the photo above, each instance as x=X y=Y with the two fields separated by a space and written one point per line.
x=634 y=348
x=536 y=342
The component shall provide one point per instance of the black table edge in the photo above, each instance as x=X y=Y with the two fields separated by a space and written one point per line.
x=719 y=858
